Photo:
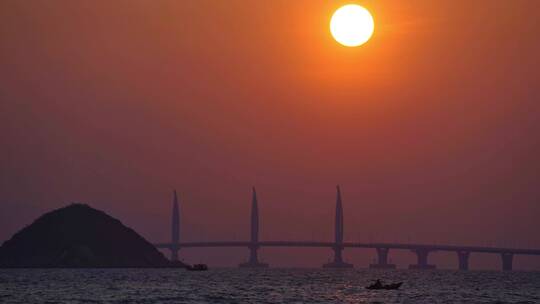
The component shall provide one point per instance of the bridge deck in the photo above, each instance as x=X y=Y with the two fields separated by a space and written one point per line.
x=430 y=247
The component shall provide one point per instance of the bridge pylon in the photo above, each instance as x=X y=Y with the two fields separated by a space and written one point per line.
x=175 y=229
x=253 y=261
x=338 y=242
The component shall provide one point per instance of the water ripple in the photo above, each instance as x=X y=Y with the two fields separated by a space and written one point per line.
x=263 y=286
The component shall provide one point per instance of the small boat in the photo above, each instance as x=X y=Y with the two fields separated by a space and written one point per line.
x=384 y=287
x=197 y=267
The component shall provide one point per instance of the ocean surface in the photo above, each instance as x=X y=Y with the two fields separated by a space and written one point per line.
x=263 y=286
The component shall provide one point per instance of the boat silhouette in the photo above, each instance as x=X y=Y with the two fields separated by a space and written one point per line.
x=197 y=267
x=379 y=286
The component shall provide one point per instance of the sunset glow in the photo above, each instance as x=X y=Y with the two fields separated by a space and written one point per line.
x=425 y=113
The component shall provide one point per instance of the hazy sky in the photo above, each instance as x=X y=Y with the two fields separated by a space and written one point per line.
x=431 y=128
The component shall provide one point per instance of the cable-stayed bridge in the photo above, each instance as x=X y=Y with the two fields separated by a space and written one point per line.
x=422 y=251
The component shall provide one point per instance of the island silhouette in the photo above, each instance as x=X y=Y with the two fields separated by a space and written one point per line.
x=79 y=236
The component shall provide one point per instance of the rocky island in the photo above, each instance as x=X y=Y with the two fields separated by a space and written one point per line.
x=78 y=236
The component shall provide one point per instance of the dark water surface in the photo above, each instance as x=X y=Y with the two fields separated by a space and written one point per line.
x=263 y=286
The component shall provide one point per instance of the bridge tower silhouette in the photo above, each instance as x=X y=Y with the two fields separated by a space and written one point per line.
x=338 y=241
x=253 y=247
x=175 y=228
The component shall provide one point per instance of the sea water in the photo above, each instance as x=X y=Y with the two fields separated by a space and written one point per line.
x=263 y=286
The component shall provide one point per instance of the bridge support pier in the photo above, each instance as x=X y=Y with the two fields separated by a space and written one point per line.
x=422 y=255
x=463 y=258
x=507 y=261
x=382 y=260
x=174 y=254
x=338 y=259
x=253 y=261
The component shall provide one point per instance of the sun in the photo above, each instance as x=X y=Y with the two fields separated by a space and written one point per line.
x=352 y=25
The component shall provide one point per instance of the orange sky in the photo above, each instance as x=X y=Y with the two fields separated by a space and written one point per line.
x=431 y=127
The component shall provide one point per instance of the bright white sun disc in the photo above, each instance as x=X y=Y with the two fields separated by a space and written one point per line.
x=352 y=25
